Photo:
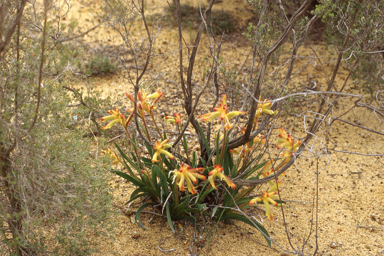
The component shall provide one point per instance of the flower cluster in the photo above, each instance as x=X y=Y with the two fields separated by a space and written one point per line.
x=160 y=148
x=222 y=112
x=268 y=197
x=187 y=176
x=143 y=103
x=175 y=119
x=288 y=145
x=115 y=117
x=263 y=108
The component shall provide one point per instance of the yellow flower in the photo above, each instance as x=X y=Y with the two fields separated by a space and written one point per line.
x=185 y=174
x=218 y=171
x=111 y=155
x=268 y=197
x=263 y=108
x=286 y=141
x=160 y=149
x=221 y=112
x=143 y=99
x=115 y=117
x=175 y=119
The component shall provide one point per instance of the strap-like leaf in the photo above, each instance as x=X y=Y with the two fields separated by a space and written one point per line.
x=139 y=211
x=163 y=179
x=137 y=196
x=149 y=148
x=169 y=217
x=185 y=144
x=133 y=180
x=218 y=153
x=204 y=139
x=184 y=204
x=254 y=224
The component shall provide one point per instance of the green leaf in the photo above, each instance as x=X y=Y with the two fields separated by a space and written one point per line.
x=133 y=180
x=204 y=139
x=149 y=148
x=217 y=140
x=124 y=160
x=201 y=207
x=203 y=195
x=154 y=181
x=214 y=210
x=193 y=159
x=147 y=162
x=169 y=217
x=127 y=158
x=143 y=128
x=182 y=205
x=139 y=212
x=137 y=196
x=137 y=191
x=203 y=161
x=185 y=144
x=163 y=180
x=167 y=163
x=264 y=232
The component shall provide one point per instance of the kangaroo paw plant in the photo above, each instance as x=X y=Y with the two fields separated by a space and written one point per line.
x=162 y=172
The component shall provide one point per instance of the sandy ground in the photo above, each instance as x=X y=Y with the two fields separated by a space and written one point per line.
x=351 y=190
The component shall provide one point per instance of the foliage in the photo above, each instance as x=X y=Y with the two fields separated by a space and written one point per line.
x=99 y=65
x=355 y=29
x=53 y=189
x=222 y=21
x=161 y=176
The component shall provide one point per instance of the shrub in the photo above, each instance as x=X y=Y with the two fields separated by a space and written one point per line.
x=162 y=176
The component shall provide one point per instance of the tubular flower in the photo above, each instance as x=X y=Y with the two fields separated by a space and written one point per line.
x=263 y=108
x=218 y=171
x=111 y=155
x=143 y=98
x=115 y=117
x=175 y=119
x=222 y=112
x=268 y=197
x=160 y=149
x=185 y=174
x=268 y=170
x=287 y=142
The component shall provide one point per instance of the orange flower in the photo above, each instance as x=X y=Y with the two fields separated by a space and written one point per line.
x=263 y=108
x=268 y=197
x=286 y=141
x=218 y=171
x=185 y=174
x=175 y=119
x=160 y=149
x=221 y=112
x=143 y=99
x=115 y=117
